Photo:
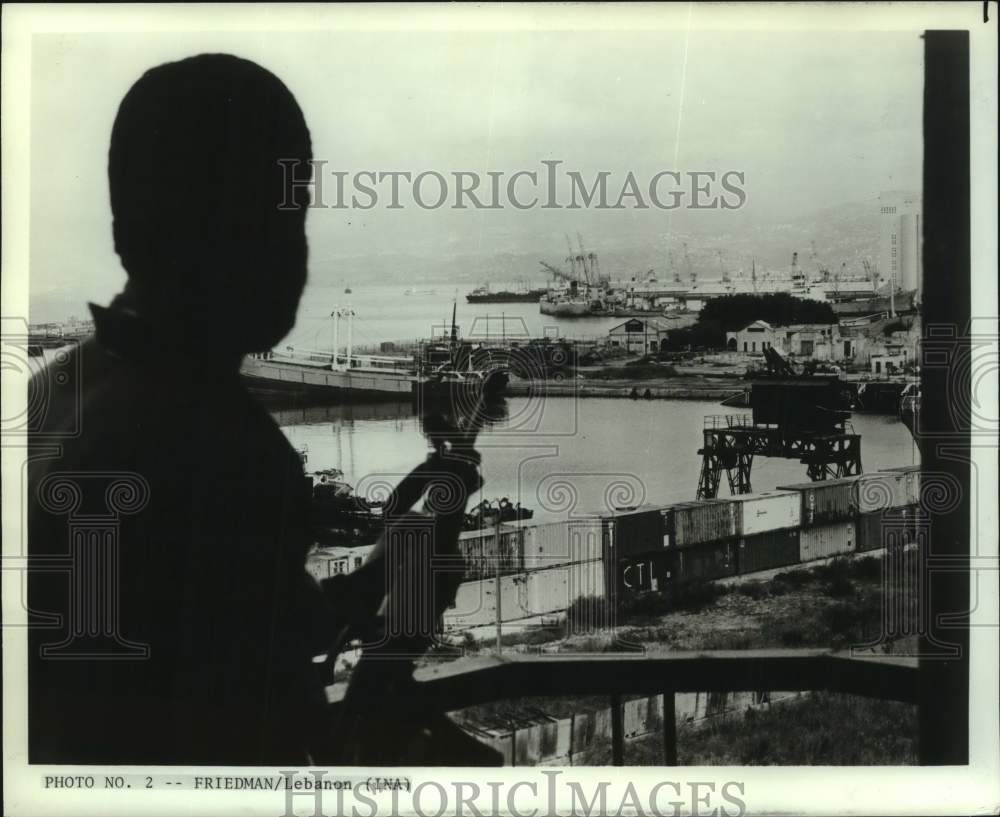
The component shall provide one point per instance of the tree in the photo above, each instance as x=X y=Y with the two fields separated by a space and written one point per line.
x=730 y=313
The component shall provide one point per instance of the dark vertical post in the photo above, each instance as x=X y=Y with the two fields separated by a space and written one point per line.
x=496 y=583
x=617 y=731
x=669 y=730
x=945 y=431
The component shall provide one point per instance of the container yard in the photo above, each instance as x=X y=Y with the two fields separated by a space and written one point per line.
x=653 y=548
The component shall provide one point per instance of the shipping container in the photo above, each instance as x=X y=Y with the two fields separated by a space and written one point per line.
x=474 y=605
x=551 y=543
x=824 y=541
x=585 y=579
x=703 y=520
x=479 y=551
x=765 y=551
x=554 y=589
x=766 y=511
x=911 y=482
x=826 y=501
x=881 y=490
x=635 y=531
x=896 y=527
x=649 y=572
x=712 y=560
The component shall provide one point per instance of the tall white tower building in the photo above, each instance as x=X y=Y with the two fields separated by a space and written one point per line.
x=901 y=241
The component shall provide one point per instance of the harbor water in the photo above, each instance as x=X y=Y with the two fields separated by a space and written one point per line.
x=387 y=313
x=561 y=456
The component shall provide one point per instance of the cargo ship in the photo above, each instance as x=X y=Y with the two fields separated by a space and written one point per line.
x=880 y=396
x=899 y=302
x=443 y=369
x=569 y=306
x=524 y=295
x=312 y=374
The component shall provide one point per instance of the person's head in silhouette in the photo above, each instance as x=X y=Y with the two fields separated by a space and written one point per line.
x=197 y=193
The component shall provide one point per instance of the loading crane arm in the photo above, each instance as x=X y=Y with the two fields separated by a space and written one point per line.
x=776 y=364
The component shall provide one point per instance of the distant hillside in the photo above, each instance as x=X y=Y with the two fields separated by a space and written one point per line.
x=844 y=233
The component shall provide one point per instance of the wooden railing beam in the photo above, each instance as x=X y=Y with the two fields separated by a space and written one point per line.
x=470 y=682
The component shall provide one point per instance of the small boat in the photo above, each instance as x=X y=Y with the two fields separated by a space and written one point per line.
x=336 y=508
x=347 y=290
x=446 y=381
x=487 y=514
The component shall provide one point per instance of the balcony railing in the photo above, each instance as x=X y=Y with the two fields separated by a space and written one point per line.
x=479 y=680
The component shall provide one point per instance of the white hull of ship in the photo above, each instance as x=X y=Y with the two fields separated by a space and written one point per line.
x=564 y=309
x=281 y=377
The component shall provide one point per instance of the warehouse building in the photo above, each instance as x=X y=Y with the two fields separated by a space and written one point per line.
x=641 y=335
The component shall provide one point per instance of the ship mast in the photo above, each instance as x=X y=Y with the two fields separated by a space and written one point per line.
x=583 y=259
x=571 y=258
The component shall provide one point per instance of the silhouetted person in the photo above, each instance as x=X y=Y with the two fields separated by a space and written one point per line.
x=210 y=567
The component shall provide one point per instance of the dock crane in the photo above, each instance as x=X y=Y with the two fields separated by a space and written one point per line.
x=558 y=273
x=839 y=276
x=824 y=272
x=571 y=258
x=687 y=264
x=722 y=268
x=590 y=263
x=871 y=271
x=673 y=267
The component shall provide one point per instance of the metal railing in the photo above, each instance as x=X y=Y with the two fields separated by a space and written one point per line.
x=713 y=421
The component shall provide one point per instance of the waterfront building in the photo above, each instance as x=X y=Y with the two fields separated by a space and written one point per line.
x=641 y=335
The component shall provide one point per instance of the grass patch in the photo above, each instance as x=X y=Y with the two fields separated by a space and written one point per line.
x=689 y=596
x=818 y=729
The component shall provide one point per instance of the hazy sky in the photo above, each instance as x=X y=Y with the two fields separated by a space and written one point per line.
x=812 y=119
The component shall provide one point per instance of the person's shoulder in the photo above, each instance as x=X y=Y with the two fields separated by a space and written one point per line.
x=73 y=387
x=269 y=433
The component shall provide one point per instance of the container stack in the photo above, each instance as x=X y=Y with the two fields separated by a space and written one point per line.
x=702 y=535
x=482 y=556
x=827 y=509
x=570 y=553
x=889 y=508
x=635 y=541
x=545 y=567
x=767 y=527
